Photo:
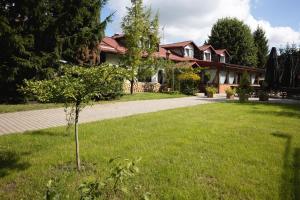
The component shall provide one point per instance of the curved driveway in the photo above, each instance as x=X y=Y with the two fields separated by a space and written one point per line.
x=19 y=122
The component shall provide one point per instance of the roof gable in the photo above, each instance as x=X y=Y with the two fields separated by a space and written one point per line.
x=109 y=44
x=222 y=51
x=206 y=46
x=179 y=45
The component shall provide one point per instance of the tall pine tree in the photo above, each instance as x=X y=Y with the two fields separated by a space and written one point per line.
x=261 y=43
x=36 y=34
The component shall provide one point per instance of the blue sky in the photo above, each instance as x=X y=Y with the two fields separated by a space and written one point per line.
x=278 y=13
x=193 y=19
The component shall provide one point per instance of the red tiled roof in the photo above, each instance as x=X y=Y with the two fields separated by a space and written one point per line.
x=163 y=54
x=205 y=47
x=178 y=44
x=221 y=51
x=110 y=45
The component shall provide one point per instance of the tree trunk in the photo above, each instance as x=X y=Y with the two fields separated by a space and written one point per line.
x=76 y=137
x=131 y=86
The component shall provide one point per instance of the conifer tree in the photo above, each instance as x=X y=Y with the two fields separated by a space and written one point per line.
x=261 y=43
x=36 y=34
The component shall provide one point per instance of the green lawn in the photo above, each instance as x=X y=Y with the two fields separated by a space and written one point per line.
x=5 y=108
x=216 y=151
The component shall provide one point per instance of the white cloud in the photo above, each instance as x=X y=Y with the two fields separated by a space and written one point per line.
x=193 y=19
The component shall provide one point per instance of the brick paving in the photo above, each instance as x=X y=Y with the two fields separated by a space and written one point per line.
x=20 y=122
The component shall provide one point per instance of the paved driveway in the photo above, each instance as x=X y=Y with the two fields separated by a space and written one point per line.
x=19 y=122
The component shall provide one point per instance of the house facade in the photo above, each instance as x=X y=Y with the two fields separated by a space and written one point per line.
x=218 y=71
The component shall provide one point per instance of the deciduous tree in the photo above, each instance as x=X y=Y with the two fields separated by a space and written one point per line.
x=76 y=87
x=235 y=36
x=142 y=40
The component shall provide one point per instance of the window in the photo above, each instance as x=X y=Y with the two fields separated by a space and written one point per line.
x=207 y=56
x=222 y=59
x=189 y=51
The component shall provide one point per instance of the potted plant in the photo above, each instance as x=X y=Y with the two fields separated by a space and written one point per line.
x=263 y=95
x=244 y=89
x=230 y=93
x=211 y=91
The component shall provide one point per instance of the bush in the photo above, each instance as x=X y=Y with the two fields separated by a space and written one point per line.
x=230 y=92
x=211 y=91
x=182 y=78
x=189 y=82
x=263 y=95
x=244 y=89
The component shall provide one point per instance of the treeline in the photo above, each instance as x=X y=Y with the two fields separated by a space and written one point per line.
x=35 y=35
x=289 y=66
x=283 y=70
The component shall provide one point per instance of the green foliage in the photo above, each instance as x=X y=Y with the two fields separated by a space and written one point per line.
x=182 y=77
x=141 y=35
x=230 y=91
x=289 y=66
x=116 y=185
x=188 y=79
x=54 y=191
x=79 y=30
x=235 y=36
x=36 y=34
x=211 y=91
x=272 y=74
x=263 y=95
x=244 y=89
x=77 y=85
x=261 y=43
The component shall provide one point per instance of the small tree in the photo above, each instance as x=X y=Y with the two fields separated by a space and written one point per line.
x=141 y=35
x=76 y=87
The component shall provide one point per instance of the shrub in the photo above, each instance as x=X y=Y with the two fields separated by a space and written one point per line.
x=116 y=185
x=230 y=92
x=244 y=89
x=263 y=95
x=189 y=82
x=182 y=77
x=211 y=91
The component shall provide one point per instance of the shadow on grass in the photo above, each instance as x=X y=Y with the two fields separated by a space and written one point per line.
x=50 y=133
x=285 y=188
x=297 y=173
x=9 y=161
x=286 y=110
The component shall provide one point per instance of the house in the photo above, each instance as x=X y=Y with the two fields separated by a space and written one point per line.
x=217 y=72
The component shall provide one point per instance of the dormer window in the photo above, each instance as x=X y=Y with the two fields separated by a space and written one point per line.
x=189 y=51
x=222 y=59
x=207 y=56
